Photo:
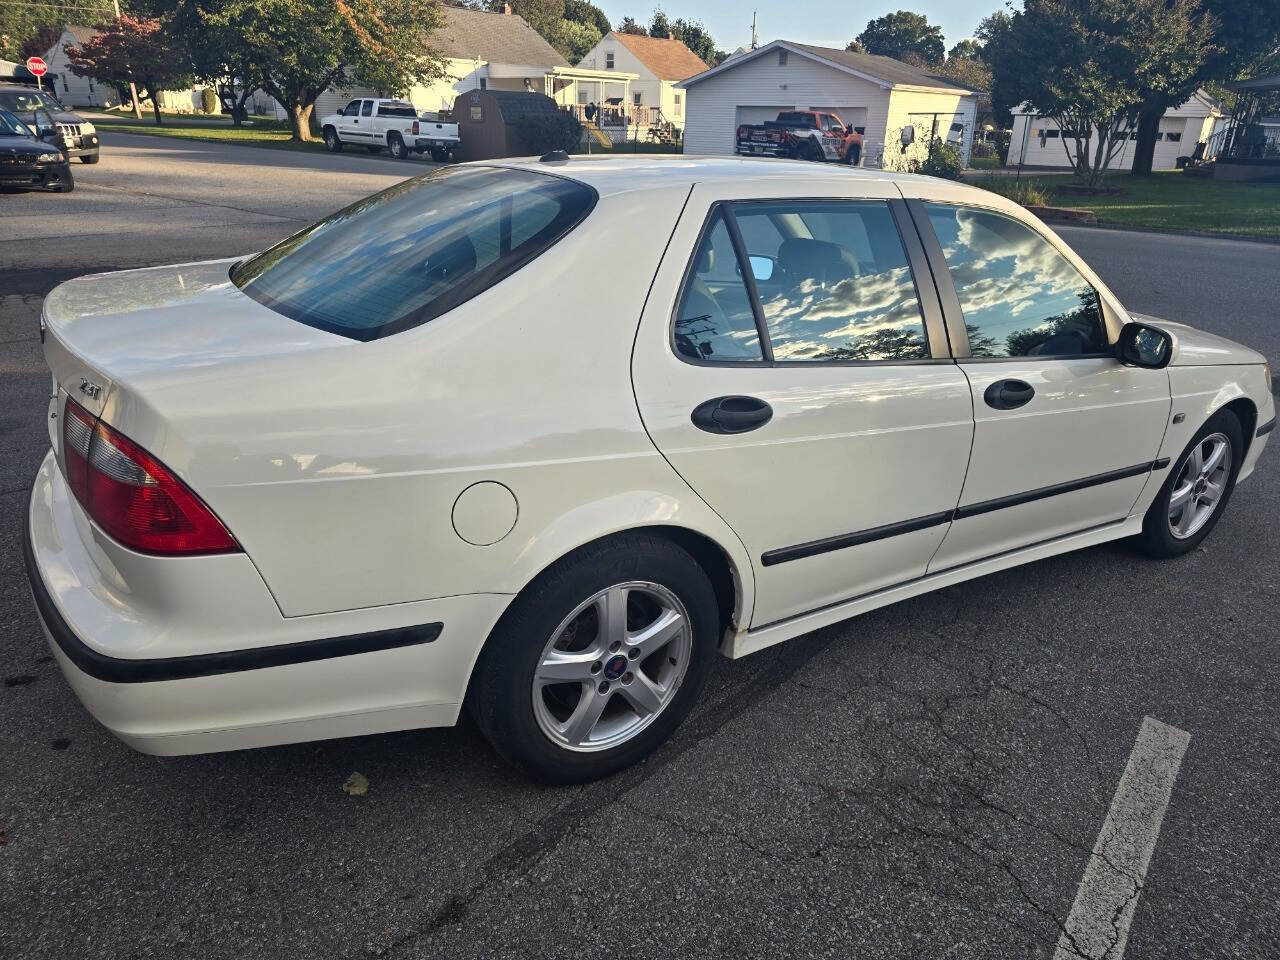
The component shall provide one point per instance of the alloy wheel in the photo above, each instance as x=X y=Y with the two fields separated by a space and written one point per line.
x=612 y=666
x=1202 y=481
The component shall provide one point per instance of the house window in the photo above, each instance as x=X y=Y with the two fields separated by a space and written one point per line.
x=484 y=83
x=636 y=98
x=1173 y=136
x=782 y=58
x=66 y=88
x=1051 y=134
x=608 y=61
x=677 y=103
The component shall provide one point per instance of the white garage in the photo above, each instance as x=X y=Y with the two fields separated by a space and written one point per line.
x=880 y=94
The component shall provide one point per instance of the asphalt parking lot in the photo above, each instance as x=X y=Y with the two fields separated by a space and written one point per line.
x=925 y=781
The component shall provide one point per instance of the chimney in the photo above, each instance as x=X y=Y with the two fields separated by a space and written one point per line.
x=506 y=9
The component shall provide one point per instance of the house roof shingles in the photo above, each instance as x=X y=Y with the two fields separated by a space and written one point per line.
x=668 y=59
x=492 y=37
x=81 y=34
x=882 y=68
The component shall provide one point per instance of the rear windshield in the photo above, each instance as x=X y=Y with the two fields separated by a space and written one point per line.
x=396 y=110
x=797 y=119
x=408 y=254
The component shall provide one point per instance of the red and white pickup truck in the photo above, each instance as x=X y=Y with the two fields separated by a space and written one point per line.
x=802 y=135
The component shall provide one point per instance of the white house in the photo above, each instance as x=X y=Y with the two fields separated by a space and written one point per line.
x=1037 y=141
x=482 y=50
x=880 y=94
x=72 y=90
x=657 y=64
x=77 y=91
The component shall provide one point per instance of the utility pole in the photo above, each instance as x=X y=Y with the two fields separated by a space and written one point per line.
x=755 y=41
x=133 y=87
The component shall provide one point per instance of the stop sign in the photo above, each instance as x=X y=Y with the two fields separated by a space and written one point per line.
x=37 y=66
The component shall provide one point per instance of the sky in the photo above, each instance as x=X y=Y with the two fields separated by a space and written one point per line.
x=819 y=22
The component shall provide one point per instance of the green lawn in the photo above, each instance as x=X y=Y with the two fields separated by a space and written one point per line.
x=984 y=163
x=1173 y=201
x=264 y=133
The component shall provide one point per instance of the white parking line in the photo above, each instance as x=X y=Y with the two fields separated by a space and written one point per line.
x=1098 y=925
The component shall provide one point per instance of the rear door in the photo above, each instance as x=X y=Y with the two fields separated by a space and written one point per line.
x=1065 y=435
x=810 y=401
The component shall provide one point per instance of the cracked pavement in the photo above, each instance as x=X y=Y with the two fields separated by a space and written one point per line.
x=928 y=780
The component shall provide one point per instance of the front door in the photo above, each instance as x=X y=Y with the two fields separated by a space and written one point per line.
x=809 y=399
x=1065 y=436
x=349 y=122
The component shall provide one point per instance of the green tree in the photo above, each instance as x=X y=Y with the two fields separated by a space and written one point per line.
x=543 y=15
x=659 y=26
x=694 y=36
x=965 y=50
x=302 y=47
x=1242 y=35
x=629 y=25
x=214 y=36
x=582 y=11
x=31 y=27
x=896 y=34
x=573 y=39
x=967 y=71
x=1089 y=65
x=133 y=49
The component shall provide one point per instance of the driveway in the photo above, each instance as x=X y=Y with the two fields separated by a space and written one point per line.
x=925 y=781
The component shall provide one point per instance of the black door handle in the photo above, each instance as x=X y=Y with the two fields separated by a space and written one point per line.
x=731 y=414
x=1008 y=394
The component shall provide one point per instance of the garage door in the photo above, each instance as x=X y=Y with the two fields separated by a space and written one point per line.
x=757 y=114
x=852 y=116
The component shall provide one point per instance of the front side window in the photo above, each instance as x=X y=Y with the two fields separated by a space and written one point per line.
x=839 y=286
x=352 y=109
x=1020 y=297
x=714 y=321
x=415 y=251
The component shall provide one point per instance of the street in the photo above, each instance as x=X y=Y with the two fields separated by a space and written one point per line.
x=928 y=780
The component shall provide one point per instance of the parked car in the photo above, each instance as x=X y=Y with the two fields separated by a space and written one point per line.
x=28 y=162
x=393 y=124
x=437 y=449
x=76 y=136
x=802 y=135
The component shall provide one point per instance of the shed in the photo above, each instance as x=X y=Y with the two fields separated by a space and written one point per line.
x=487 y=121
x=880 y=94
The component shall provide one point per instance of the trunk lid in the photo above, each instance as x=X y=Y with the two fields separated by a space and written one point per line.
x=133 y=327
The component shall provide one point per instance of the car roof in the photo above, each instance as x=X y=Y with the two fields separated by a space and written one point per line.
x=615 y=175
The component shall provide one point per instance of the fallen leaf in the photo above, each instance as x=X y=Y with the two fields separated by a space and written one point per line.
x=357 y=785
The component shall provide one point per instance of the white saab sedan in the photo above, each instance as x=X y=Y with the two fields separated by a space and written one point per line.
x=540 y=437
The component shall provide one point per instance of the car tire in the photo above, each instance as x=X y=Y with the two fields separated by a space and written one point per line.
x=555 y=730
x=331 y=140
x=66 y=182
x=396 y=147
x=89 y=158
x=439 y=155
x=1186 y=509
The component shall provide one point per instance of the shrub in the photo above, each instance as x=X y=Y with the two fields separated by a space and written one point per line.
x=208 y=100
x=551 y=131
x=943 y=161
x=1026 y=192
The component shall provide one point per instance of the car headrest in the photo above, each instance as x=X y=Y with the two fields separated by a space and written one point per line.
x=804 y=258
x=706 y=260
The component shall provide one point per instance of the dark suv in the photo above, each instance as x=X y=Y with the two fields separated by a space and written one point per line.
x=42 y=112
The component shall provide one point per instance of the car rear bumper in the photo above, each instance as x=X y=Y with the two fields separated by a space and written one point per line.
x=140 y=642
x=431 y=143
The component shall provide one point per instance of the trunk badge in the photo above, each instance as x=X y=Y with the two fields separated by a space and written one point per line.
x=89 y=388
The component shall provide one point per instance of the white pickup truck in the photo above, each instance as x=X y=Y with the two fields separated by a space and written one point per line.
x=393 y=125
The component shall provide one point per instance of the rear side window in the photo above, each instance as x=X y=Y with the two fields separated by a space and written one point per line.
x=397 y=110
x=832 y=279
x=410 y=253
x=1020 y=297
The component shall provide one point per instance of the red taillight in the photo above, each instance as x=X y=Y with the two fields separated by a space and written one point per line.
x=132 y=495
x=415 y=126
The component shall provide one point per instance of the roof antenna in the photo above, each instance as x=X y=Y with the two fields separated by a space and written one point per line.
x=755 y=41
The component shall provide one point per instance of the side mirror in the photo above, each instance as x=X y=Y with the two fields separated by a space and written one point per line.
x=761 y=266
x=1143 y=346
